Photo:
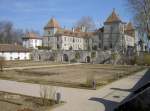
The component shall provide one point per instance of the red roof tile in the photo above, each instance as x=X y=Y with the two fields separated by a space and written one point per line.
x=52 y=24
x=31 y=35
x=129 y=27
x=113 y=18
x=12 y=48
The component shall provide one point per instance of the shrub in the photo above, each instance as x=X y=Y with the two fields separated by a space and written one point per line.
x=89 y=80
x=73 y=60
x=44 y=47
x=2 y=63
x=143 y=59
x=77 y=56
x=147 y=59
x=114 y=56
x=93 y=55
x=47 y=94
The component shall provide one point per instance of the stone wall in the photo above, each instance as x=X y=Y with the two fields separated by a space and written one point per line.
x=72 y=56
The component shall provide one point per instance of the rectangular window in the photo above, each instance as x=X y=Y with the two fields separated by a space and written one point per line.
x=64 y=38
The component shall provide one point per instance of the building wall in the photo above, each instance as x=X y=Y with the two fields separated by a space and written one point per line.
x=16 y=55
x=115 y=37
x=32 y=43
x=97 y=41
x=45 y=55
x=50 y=42
x=74 y=43
x=65 y=43
x=112 y=36
x=129 y=41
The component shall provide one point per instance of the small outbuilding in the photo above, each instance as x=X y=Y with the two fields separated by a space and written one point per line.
x=32 y=40
x=14 y=52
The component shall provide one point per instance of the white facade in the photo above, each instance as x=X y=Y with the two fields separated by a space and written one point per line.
x=65 y=43
x=57 y=38
x=73 y=43
x=32 y=43
x=114 y=35
x=15 y=55
x=129 y=41
x=14 y=52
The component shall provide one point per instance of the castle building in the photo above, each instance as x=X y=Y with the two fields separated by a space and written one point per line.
x=58 y=38
x=32 y=40
x=117 y=34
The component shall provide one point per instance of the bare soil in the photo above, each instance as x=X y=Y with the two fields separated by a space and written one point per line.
x=15 y=102
x=9 y=64
x=71 y=76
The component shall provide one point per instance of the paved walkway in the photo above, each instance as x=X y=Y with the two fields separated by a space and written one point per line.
x=41 y=66
x=103 y=99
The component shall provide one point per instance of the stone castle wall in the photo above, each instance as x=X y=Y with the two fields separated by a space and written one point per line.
x=71 y=56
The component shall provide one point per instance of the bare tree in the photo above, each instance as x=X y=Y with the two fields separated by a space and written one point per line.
x=141 y=11
x=86 y=22
x=2 y=63
x=8 y=34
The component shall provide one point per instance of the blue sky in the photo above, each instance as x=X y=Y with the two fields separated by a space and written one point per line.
x=34 y=14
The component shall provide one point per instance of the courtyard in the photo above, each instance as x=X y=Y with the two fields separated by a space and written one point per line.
x=76 y=76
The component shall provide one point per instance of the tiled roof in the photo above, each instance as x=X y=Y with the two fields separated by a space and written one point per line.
x=52 y=24
x=31 y=35
x=129 y=27
x=12 y=48
x=79 y=34
x=113 y=18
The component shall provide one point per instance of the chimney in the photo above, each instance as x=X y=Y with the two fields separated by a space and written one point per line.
x=83 y=28
x=73 y=29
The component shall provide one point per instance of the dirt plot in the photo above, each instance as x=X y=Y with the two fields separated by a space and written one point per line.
x=72 y=76
x=27 y=63
x=15 y=102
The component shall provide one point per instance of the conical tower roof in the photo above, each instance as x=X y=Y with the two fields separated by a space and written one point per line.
x=113 y=18
x=52 y=24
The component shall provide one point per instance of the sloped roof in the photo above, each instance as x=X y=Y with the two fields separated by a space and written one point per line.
x=129 y=27
x=52 y=24
x=129 y=30
x=113 y=18
x=31 y=35
x=12 y=48
x=64 y=32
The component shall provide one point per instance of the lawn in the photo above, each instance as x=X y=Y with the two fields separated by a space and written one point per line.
x=71 y=76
